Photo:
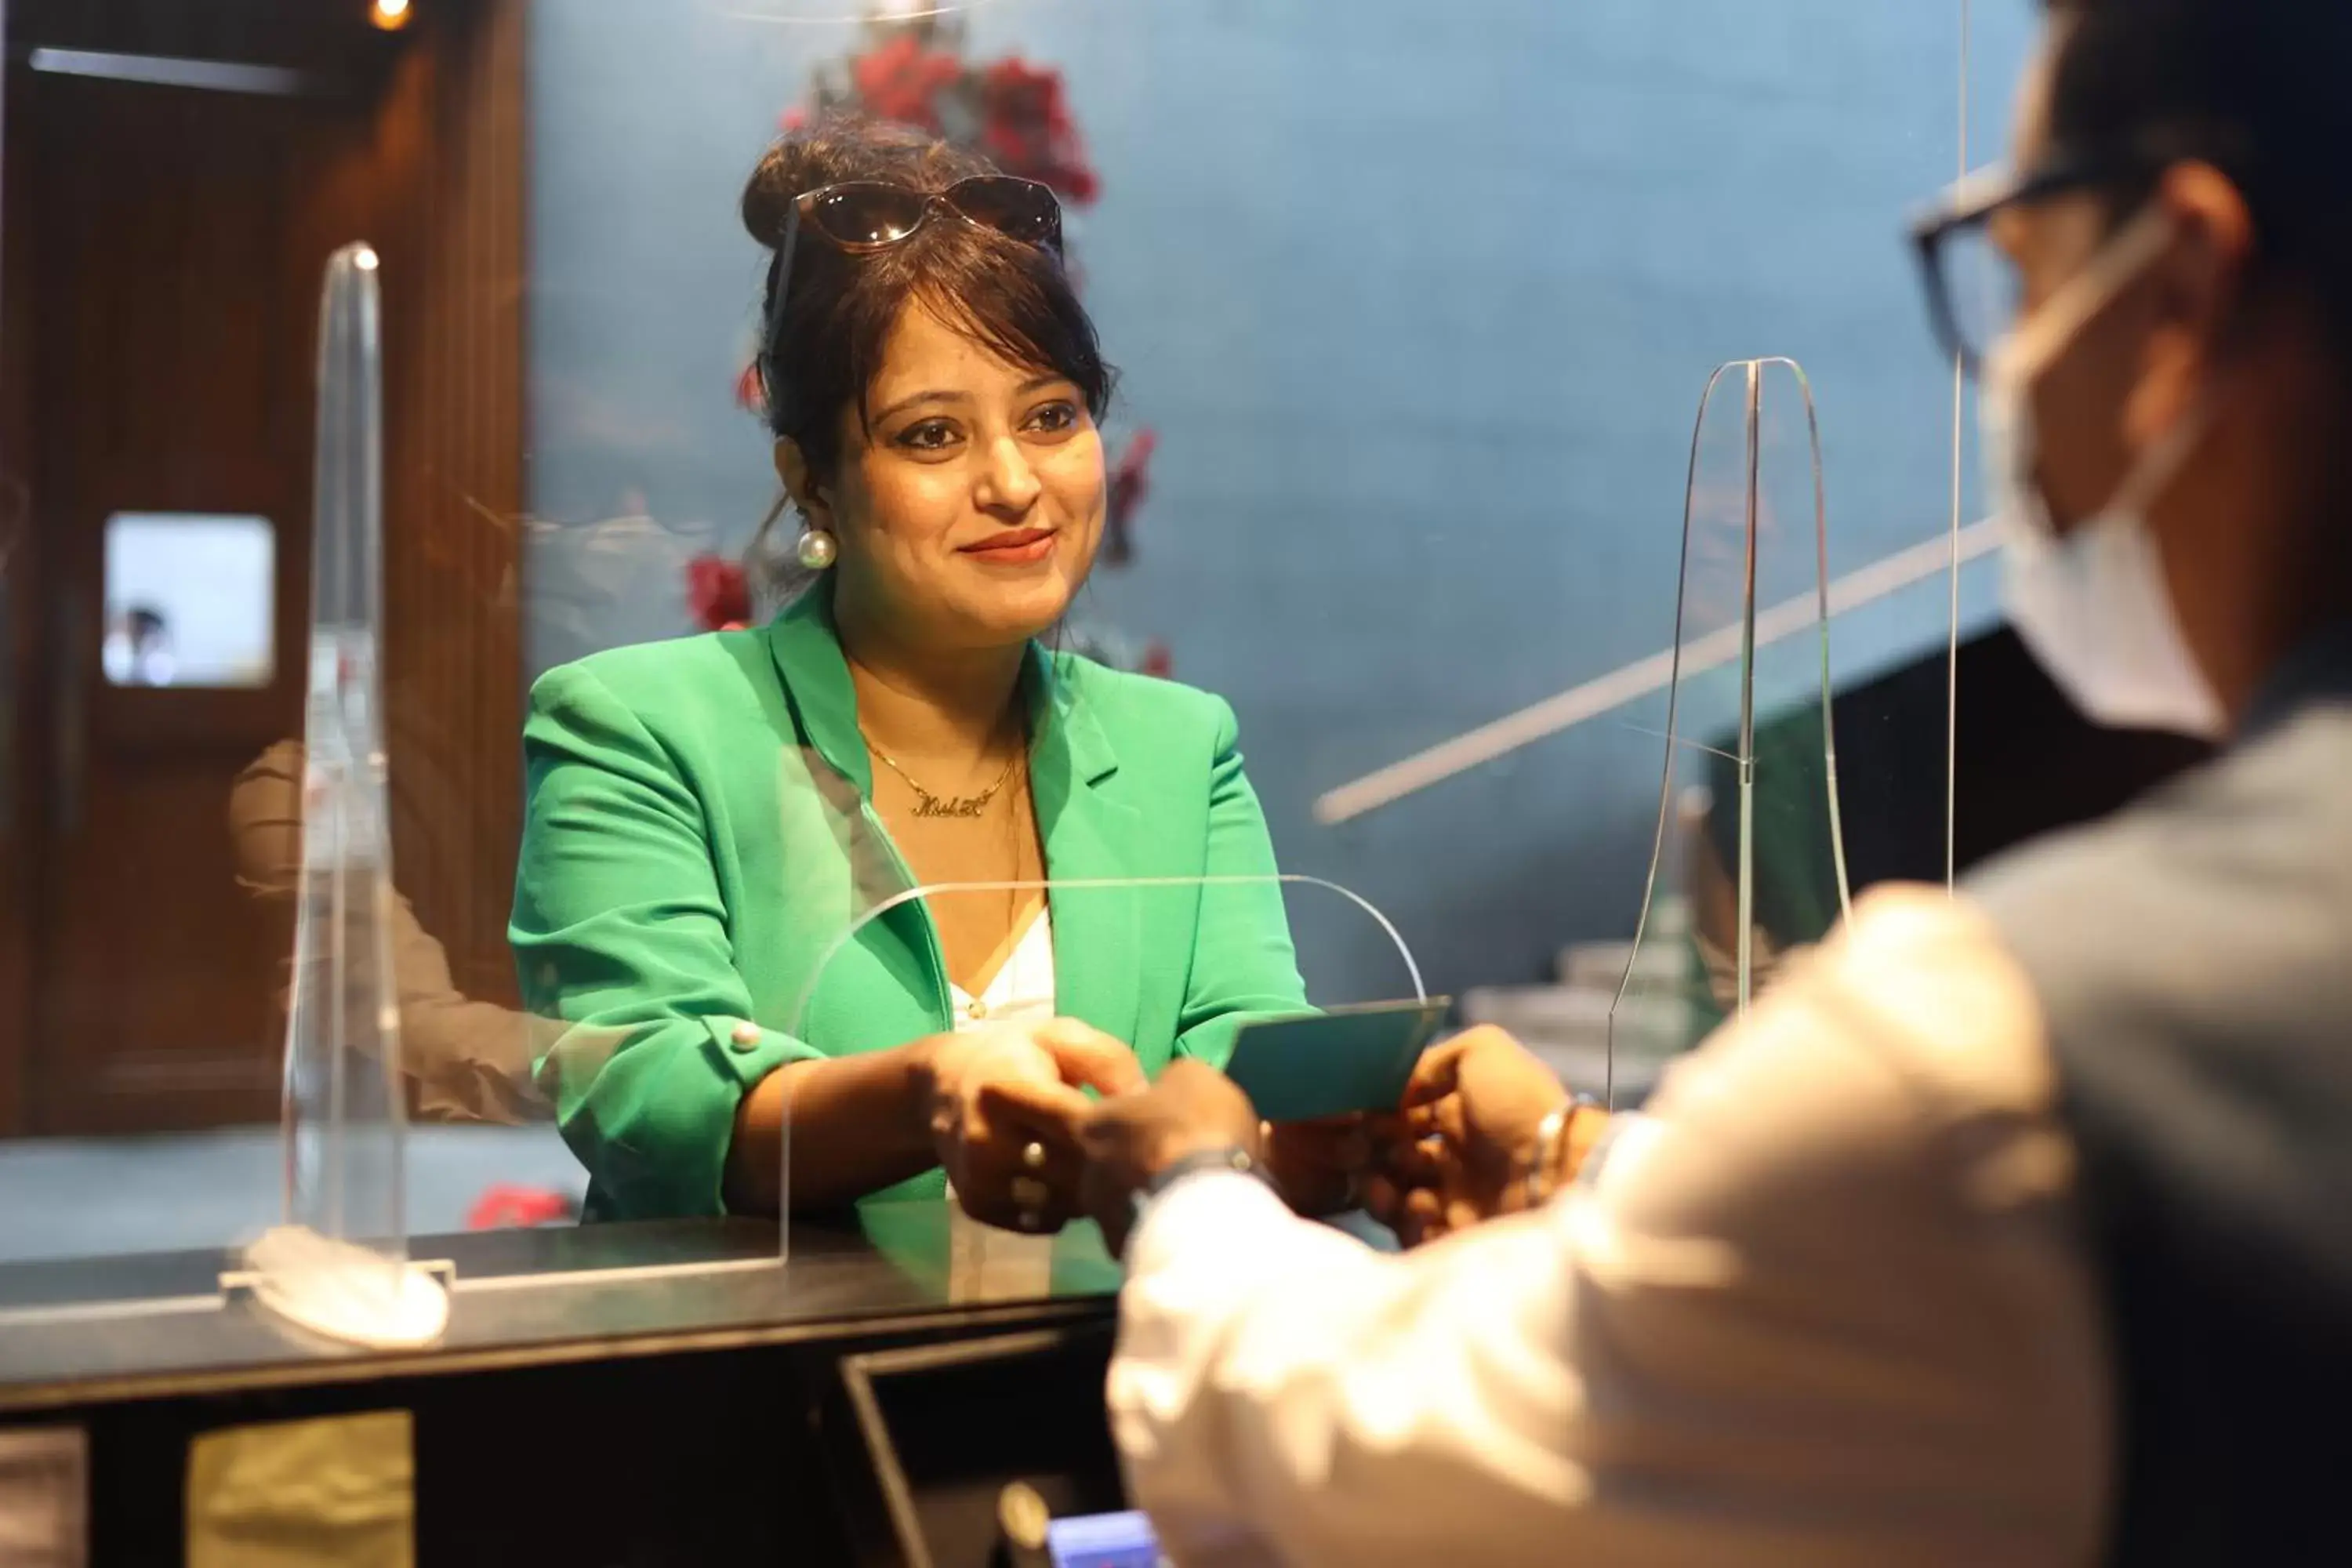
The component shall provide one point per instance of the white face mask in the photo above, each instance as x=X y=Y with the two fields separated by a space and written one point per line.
x=2093 y=605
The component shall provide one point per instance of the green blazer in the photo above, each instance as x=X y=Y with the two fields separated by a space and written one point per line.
x=700 y=837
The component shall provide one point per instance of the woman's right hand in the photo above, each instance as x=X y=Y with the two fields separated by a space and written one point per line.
x=1002 y=1104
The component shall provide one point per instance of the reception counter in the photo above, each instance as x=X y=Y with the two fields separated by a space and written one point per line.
x=626 y=1394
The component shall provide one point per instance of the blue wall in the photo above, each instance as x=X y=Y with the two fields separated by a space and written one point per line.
x=1420 y=296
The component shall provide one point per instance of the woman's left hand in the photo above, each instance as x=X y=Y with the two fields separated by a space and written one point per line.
x=1004 y=1106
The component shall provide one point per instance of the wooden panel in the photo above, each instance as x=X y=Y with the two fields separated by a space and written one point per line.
x=20 y=565
x=451 y=140
x=162 y=272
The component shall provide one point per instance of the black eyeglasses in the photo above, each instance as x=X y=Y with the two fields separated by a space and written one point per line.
x=1973 y=290
x=862 y=216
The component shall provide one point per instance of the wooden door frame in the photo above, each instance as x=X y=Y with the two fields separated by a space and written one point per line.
x=445 y=176
x=20 y=566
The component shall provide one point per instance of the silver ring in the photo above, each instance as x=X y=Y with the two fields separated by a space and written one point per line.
x=1033 y=1156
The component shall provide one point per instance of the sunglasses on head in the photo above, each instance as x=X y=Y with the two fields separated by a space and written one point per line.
x=865 y=215
x=862 y=216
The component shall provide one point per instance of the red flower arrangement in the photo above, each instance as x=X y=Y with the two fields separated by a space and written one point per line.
x=1131 y=481
x=915 y=73
x=902 y=80
x=507 y=1207
x=1026 y=129
x=720 y=592
x=750 y=394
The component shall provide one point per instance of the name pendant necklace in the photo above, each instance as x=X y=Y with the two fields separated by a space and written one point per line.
x=967 y=807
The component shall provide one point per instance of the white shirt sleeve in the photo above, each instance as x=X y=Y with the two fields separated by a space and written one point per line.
x=1822 y=1306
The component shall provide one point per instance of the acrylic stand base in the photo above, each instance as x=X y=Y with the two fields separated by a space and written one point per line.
x=346 y=1292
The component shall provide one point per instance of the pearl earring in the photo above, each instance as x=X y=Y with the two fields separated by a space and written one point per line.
x=817 y=549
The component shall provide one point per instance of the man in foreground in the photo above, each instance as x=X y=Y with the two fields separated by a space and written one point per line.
x=2013 y=1228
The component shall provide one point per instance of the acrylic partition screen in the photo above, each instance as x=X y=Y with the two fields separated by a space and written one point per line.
x=1063 y=988
x=1748 y=863
x=338 y=1262
x=1399 y=483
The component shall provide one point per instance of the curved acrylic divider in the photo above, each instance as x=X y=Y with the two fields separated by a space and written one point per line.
x=1178 y=965
x=338 y=1265
x=1748 y=860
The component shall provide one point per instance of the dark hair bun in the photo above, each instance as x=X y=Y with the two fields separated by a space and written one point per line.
x=841 y=147
x=801 y=162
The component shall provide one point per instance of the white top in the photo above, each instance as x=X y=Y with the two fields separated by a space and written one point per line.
x=1823 y=1307
x=1023 y=988
x=986 y=1264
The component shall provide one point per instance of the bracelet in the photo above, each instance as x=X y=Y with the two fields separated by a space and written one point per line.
x=1541 y=1180
x=1535 y=1182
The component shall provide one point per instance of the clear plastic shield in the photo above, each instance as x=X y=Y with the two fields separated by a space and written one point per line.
x=339 y=1263
x=1095 y=985
x=1748 y=862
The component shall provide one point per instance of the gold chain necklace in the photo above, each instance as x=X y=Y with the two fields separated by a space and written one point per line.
x=927 y=804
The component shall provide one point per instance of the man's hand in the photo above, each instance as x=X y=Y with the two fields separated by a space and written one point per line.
x=1459 y=1152
x=1129 y=1141
x=1319 y=1167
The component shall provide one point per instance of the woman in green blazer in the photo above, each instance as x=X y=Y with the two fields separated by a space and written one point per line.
x=708 y=817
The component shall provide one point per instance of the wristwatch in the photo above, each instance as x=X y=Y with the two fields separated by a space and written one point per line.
x=1232 y=1157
